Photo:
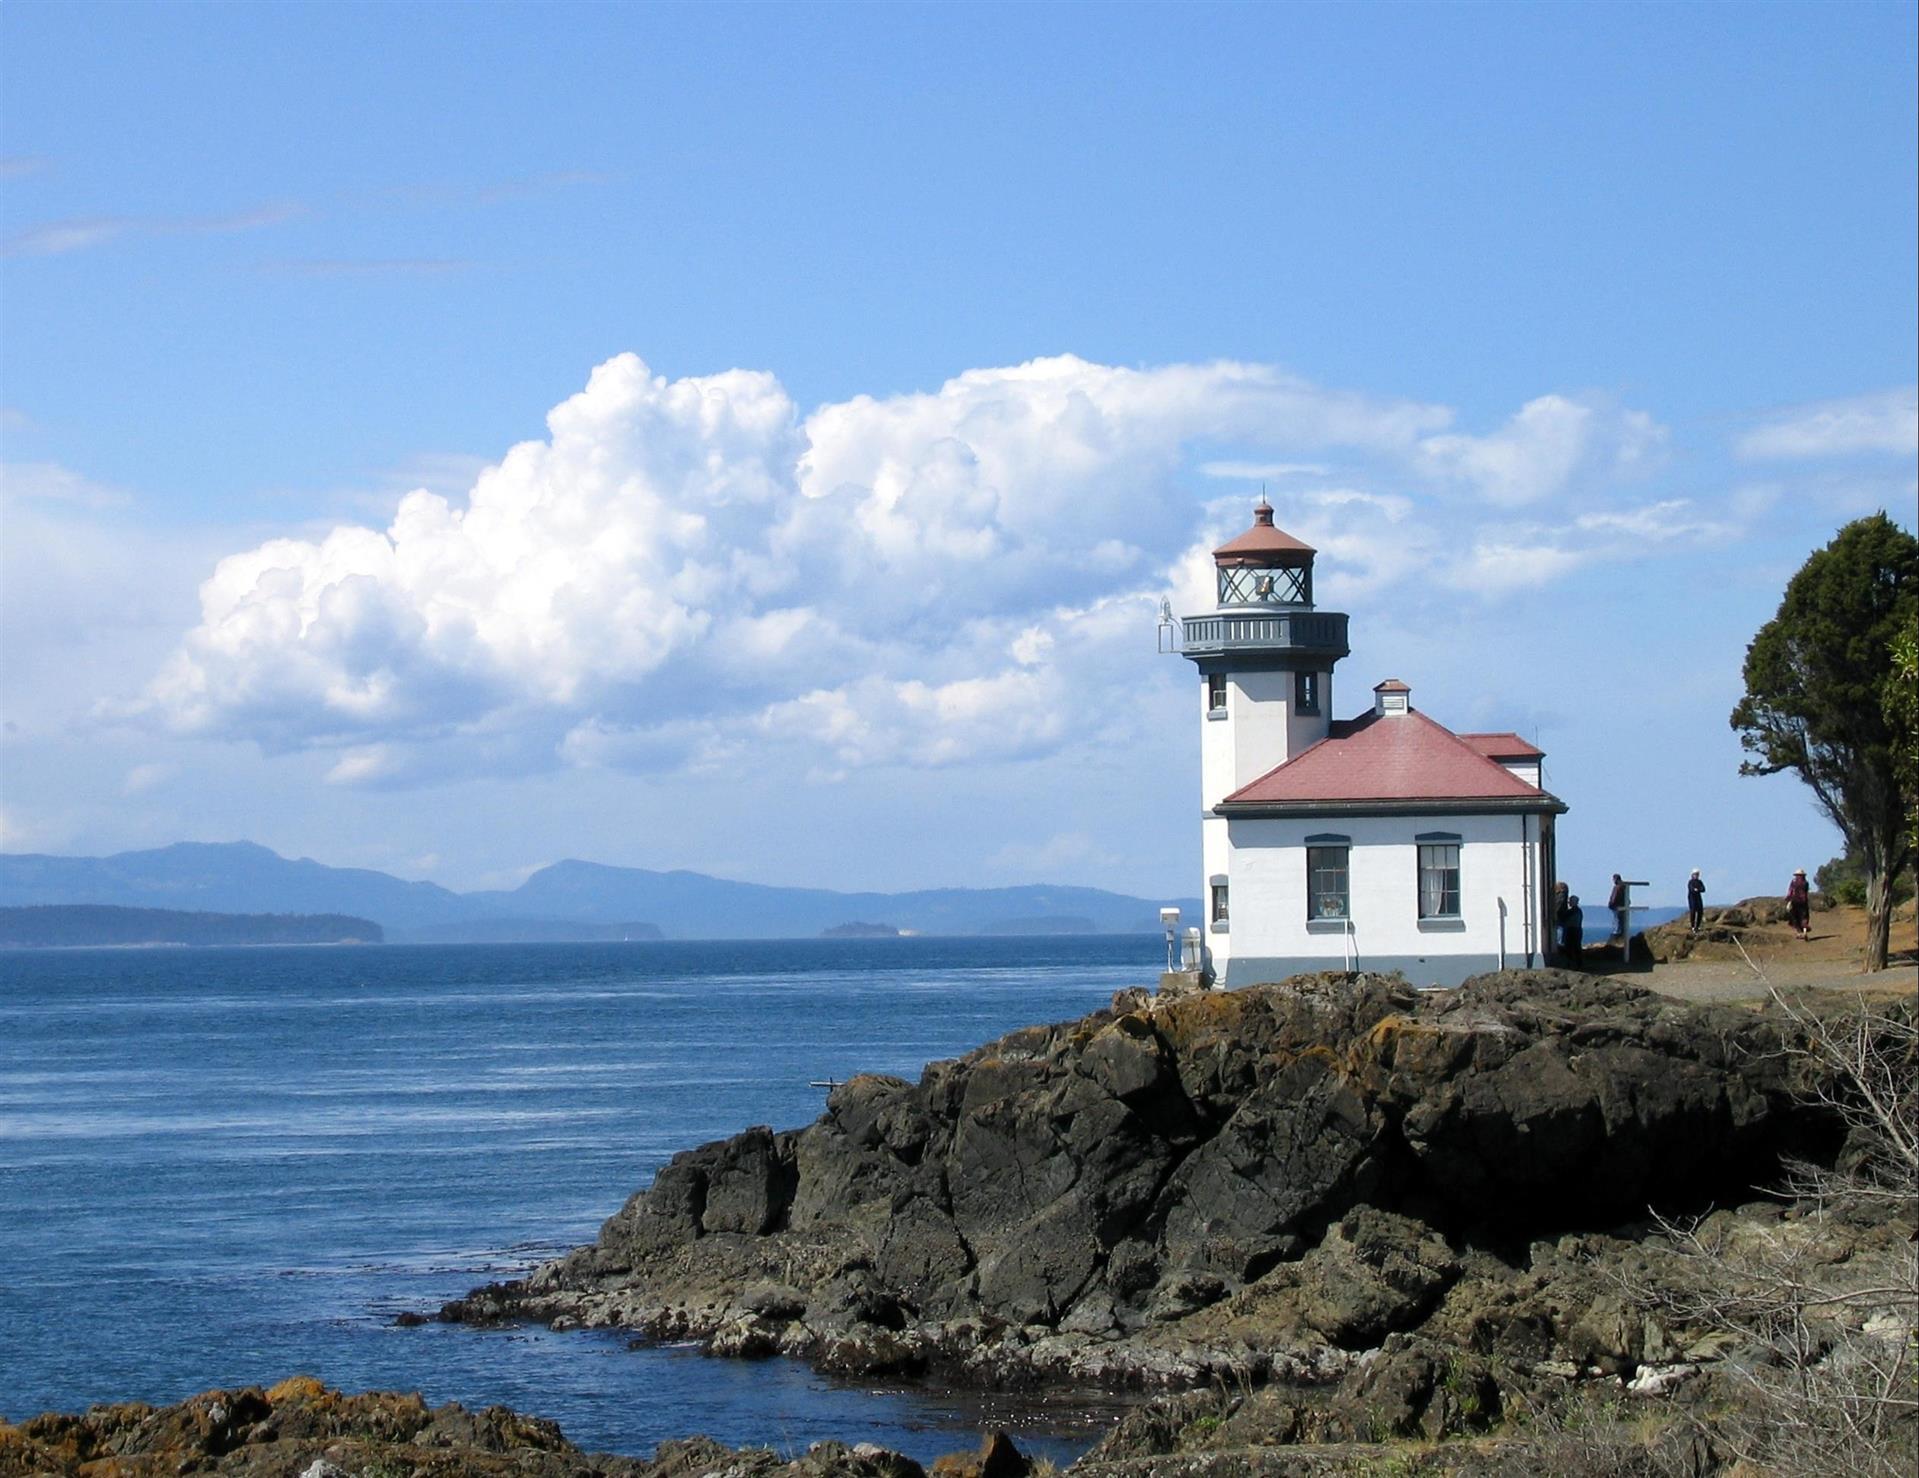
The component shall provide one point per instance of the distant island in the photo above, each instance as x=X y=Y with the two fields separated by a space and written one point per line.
x=860 y=931
x=569 y=901
x=70 y=925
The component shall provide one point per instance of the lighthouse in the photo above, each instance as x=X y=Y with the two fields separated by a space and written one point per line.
x=1382 y=842
x=1265 y=658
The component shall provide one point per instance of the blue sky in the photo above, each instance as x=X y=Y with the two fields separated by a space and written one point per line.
x=907 y=356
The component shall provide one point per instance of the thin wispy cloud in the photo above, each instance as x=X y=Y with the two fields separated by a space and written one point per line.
x=79 y=233
x=55 y=238
x=1655 y=523
x=48 y=482
x=1504 y=561
x=1885 y=421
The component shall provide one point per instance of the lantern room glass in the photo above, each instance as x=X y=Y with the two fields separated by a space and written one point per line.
x=1255 y=585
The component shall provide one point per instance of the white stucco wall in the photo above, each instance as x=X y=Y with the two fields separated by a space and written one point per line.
x=1265 y=861
x=1261 y=709
x=1215 y=749
x=1260 y=729
x=1215 y=862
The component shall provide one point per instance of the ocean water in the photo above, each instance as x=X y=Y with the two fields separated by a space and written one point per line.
x=222 y=1167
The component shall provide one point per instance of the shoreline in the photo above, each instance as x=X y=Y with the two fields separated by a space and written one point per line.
x=1237 y=1154
x=746 y=1328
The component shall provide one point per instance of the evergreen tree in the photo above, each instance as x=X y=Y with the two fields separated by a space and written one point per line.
x=1819 y=677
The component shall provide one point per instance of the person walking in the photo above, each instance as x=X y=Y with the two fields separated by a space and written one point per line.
x=1695 y=900
x=1572 y=932
x=1618 y=902
x=1799 y=904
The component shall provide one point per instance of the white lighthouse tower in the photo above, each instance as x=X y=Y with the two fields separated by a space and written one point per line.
x=1266 y=660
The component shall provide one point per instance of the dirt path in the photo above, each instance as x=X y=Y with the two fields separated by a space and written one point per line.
x=1830 y=960
x=1721 y=980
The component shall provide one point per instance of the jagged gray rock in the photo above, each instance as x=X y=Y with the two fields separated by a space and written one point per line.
x=1170 y=1191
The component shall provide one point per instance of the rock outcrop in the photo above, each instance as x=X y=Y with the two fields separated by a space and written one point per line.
x=302 y=1429
x=1752 y=922
x=1256 y=1184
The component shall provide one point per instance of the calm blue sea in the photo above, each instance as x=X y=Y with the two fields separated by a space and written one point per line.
x=225 y=1166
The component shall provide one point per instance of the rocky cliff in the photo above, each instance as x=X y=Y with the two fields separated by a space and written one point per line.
x=1255 y=1185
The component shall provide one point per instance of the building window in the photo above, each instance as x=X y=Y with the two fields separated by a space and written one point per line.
x=1438 y=876
x=1215 y=692
x=1306 y=692
x=1219 y=903
x=1327 y=890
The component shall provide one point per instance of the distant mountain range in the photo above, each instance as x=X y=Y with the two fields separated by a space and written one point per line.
x=569 y=900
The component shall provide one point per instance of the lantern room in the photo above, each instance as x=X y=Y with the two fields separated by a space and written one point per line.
x=1265 y=566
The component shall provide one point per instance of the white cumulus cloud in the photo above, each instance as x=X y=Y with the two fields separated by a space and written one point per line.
x=692 y=573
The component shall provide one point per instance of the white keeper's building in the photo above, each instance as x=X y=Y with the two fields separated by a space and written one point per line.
x=1382 y=842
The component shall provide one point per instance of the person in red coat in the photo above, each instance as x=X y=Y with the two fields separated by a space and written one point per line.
x=1799 y=904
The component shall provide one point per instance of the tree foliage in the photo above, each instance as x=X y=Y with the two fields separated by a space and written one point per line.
x=1901 y=703
x=1843 y=879
x=1820 y=699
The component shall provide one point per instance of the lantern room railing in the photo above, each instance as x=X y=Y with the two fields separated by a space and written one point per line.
x=1314 y=631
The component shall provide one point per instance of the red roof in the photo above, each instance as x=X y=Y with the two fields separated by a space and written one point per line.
x=1504 y=745
x=1388 y=757
x=1264 y=544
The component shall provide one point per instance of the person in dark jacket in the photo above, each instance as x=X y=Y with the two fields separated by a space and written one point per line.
x=1695 y=900
x=1572 y=932
x=1799 y=904
x=1617 y=901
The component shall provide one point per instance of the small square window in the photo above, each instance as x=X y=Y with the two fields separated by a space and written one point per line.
x=1327 y=895
x=1215 y=692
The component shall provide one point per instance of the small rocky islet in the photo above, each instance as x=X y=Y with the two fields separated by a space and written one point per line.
x=1320 y=1226
x=303 y=1429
